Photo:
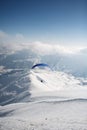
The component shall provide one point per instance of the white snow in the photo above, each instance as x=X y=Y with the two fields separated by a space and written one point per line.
x=58 y=102
x=44 y=116
x=4 y=70
x=56 y=84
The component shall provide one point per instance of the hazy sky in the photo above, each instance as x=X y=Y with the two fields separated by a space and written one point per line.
x=63 y=21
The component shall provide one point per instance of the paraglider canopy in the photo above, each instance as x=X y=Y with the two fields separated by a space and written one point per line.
x=41 y=66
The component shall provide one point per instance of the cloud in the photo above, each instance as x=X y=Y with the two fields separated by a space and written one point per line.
x=46 y=48
x=19 y=42
x=11 y=39
x=3 y=34
x=11 y=43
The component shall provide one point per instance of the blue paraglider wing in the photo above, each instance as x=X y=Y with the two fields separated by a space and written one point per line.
x=40 y=65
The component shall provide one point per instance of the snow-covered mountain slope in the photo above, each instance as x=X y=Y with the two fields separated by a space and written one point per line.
x=57 y=101
x=64 y=115
x=53 y=83
x=22 y=86
x=41 y=99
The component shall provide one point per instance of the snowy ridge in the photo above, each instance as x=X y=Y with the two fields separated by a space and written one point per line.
x=52 y=83
x=57 y=101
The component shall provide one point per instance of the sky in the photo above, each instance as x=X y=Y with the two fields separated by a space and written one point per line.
x=52 y=21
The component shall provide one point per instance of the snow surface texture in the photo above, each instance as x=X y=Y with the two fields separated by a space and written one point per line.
x=58 y=102
x=70 y=115
x=55 y=83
